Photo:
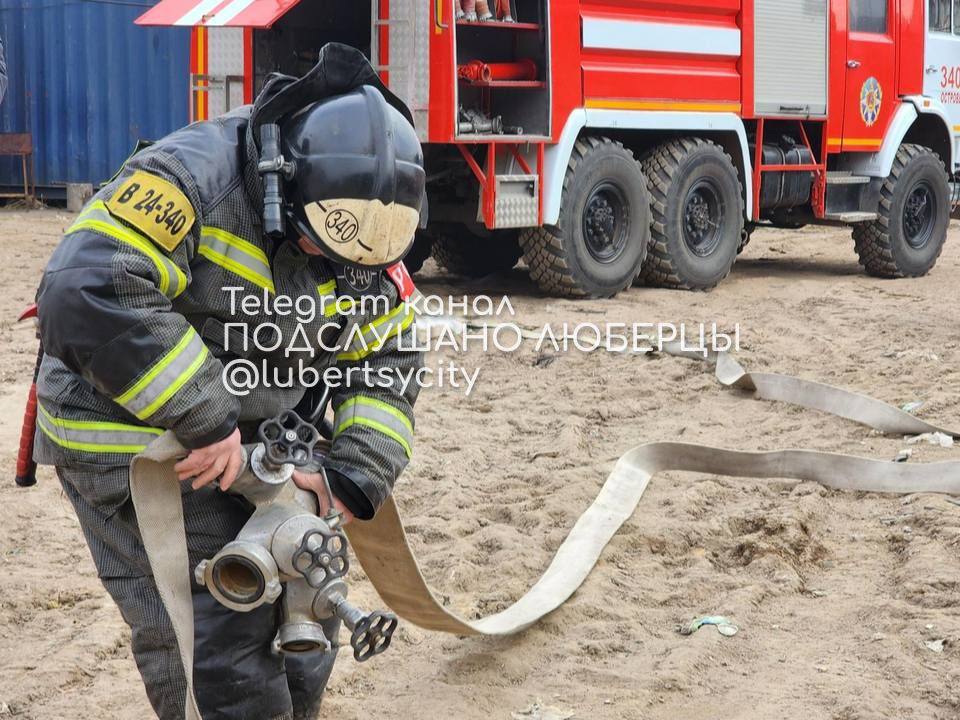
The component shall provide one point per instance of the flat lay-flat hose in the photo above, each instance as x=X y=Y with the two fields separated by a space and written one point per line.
x=382 y=548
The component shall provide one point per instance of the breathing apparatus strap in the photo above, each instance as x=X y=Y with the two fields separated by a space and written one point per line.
x=382 y=548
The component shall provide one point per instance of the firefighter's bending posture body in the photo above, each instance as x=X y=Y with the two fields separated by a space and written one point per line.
x=133 y=314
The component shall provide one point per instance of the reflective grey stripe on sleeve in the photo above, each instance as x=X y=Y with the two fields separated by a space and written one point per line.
x=377 y=415
x=95 y=437
x=237 y=255
x=98 y=219
x=165 y=377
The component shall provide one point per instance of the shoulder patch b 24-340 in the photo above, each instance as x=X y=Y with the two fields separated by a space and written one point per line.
x=154 y=206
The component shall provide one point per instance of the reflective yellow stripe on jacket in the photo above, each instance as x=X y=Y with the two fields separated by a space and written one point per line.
x=374 y=336
x=98 y=219
x=333 y=305
x=165 y=377
x=237 y=255
x=378 y=415
x=93 y=436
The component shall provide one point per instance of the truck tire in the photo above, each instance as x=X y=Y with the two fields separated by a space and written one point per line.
x=419 y=252
x=908 y=237
x=460 y=250
x=697 y=214
x=600 y=242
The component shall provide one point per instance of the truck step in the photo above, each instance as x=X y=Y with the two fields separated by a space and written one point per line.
x=851 y=217
x=840 y=177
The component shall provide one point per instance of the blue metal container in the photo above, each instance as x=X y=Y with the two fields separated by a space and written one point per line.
x=88 y=83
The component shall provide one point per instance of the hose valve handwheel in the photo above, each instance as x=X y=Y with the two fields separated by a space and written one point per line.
x=322 y=556
x=369 y=634
x=372 y=634
x=287 y=439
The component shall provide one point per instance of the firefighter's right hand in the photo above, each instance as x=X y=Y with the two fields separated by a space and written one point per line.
x=221 y=459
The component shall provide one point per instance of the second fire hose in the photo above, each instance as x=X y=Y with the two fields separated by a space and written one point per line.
x=382 y=548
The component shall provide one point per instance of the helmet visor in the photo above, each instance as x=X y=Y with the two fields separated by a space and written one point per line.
x=366 y=233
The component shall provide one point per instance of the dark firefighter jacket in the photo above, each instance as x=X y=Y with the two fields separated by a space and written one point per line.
x=133 y=314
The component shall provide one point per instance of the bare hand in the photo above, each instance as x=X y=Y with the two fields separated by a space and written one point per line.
x=221 y=459
x=314 y=482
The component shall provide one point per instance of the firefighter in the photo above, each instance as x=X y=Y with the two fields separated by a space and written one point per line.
x=138 y=322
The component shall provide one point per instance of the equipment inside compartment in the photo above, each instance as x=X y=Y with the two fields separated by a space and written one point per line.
x=500 y=87
x=502 y=68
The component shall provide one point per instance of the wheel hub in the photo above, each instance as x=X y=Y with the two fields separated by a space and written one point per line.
x=919 y=215
x=605 y=223
x=703 y=218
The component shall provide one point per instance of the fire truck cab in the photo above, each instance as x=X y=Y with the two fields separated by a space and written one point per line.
x=638 y=141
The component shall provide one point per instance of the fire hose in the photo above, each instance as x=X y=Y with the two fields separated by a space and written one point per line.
x=480 y=72
x=383 y=550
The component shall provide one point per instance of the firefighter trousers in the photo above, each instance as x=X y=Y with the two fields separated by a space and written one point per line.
x=237 y=676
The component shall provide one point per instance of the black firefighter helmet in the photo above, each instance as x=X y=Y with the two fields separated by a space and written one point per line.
x=358 y=179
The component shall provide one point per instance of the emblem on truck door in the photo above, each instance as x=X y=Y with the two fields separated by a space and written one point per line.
x=871 y=97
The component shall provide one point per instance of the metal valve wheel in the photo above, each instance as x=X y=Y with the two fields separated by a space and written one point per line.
x=322 y=557
x=372 y=635
x=287 y=439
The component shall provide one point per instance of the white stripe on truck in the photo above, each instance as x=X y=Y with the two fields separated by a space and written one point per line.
x=607 y=34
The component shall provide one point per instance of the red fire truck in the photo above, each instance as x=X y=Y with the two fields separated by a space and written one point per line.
x=609 y=142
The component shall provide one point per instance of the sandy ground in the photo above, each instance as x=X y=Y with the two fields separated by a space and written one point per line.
x=836 y=595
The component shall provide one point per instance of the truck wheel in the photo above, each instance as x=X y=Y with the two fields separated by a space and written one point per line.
x=697 y=214
x=419 y=252
x=908 y=237
x=600 y=242
x=461 y=250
